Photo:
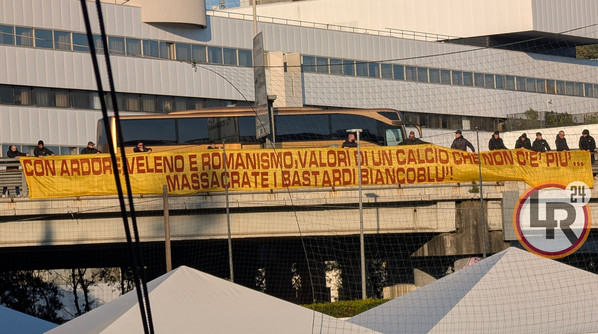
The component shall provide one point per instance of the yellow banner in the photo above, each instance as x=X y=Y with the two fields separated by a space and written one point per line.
x=202 y=171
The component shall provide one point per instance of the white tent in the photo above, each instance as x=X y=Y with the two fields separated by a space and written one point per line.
x=510 y=292
x=15 y=322
x=189 y=301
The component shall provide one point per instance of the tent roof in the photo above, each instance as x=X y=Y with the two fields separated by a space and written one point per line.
x=512 y=291
x=189 y=301
x=16 y=322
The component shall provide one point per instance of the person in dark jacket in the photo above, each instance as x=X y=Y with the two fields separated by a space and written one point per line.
x=350 y=142
x=561 y=142
x=90 y=149
x=41 y=151
x=496 y=142
x=412 y=140
x=540 y=144
x=13 y=152
x=461 y=143
x=523 y=142
x=142 y=148
x=587 y=143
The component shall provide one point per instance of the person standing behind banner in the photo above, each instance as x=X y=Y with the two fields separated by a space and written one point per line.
x=350 y=142
x=460 y=143
x=90 y=149
x=41 y=151
x=412 y=140
x=496 y=142
x=587 y=143
x=142 y=148
x=13 y=153
x=561 y=142
x=540 y=144
x=523 y=142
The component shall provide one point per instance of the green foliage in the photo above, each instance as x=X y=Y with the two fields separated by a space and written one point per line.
x=559 y=119
x=26 y=291
x=587 y=51
x=346 y=308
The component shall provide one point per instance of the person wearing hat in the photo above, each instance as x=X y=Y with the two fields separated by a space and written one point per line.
x=412 y=140
x=540 y=144
x=523 y=142
x=461 y=143
x=90 y=149
x=41 y=151
x=587 y=142
x=496 y=142
x=561 y=142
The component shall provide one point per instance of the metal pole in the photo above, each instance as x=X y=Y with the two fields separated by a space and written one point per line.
x=230 y=241
x=482 y=223
x=361 y=236
x=167 y=230
x=254 y=17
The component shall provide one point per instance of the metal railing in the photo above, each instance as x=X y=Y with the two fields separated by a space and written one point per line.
x=391 y=32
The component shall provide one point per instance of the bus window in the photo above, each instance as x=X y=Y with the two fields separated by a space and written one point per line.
x=301 y=127
x=193 y=131
x=247 y=129
x=223 y=129
x=371 y=129
x=393 y=137
x=150 y=131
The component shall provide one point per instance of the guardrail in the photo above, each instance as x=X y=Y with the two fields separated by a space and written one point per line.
x=11 y=176
x=391 y=32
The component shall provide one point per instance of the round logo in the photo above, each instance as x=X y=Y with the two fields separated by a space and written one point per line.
x=553 y=220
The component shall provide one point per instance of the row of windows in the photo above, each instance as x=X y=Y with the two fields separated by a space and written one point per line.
x=446 y=77
x=453 y=122
x=133 y=47
x=82 y=99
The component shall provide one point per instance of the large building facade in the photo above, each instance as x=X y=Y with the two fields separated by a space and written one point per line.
x=172 y=56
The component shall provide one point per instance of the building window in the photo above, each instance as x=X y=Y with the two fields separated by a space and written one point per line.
x=410 y=74
x=589 y=92
x=520 y=84
x=422 y=74
x=80 y=99
x=478 y=80
x=183 y=52
x=489 y=81
x=133 y=47
x=457 y=78
x=198 y=54
x=322 y=65
x=445 y=77
x=309 y=64
x=541 y=85
x=434 y=75
x=62 y=40
x=148 y=103
x=116 y=45
x=550 y=87
x=361 y=69
x=569 y=88
x=166 y=50
x=43 y=39
x=98 y=44
x=23 y=96
x=131 y=102
x=24 y=36
x=530 y=84
x=467 y=79
x=62 y=98
x=560 y=87
x=336 y=66
x=80 y=42
x=151 y=49
x=386 y=71
x=595 y=90
x=214 y=55
x=7 y=34
x=244 y=58
x=6 y=95
x=348 y=67
x=500 y=81
x=578 y=90
x=398 y=72
x=165 y=104
x=229 y=56
x=374 y=70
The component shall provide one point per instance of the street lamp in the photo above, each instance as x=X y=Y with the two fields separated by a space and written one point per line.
x=361 y=237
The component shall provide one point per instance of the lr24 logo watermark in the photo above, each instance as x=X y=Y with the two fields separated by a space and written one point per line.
x=553 y=220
